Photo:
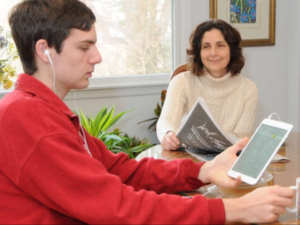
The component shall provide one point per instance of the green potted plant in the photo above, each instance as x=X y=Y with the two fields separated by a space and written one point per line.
x=114 y=140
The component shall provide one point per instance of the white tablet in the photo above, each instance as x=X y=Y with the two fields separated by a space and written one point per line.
x=260 y=150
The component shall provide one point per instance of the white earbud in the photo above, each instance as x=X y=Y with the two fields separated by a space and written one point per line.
x=46 y=52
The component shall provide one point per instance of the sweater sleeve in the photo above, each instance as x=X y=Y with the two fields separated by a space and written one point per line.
x=80 y=187
x=172 y=111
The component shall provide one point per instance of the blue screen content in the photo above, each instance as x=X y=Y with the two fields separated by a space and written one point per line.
x=255 y=156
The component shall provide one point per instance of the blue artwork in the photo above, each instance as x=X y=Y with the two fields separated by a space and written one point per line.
x=243 y=11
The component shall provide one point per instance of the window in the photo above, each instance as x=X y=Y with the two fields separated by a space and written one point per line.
x=5 y=6
x=134 y=36
x=176 y=36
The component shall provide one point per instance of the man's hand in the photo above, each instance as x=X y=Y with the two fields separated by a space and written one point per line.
x=215 y=171
x=262 y=205
x=170 y=141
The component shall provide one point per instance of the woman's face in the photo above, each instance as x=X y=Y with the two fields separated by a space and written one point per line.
x=215 y=53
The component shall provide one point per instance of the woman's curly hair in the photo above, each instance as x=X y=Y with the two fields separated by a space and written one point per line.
x=232 y=37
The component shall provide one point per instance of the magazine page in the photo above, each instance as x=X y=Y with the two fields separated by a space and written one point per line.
x=231 y=137
x=200 y=131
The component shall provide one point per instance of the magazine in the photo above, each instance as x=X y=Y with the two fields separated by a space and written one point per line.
x=203 y=138
x=201 y=134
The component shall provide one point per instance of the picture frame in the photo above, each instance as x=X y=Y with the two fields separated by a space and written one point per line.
x=254 y=19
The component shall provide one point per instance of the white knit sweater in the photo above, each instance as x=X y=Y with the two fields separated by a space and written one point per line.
x=231 y=100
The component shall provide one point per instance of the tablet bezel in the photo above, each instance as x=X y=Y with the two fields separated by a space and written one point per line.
x=269 y=122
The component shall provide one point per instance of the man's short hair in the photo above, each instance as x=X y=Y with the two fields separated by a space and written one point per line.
x=51 y=20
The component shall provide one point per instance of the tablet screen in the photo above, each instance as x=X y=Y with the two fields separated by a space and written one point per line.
x=259 y=150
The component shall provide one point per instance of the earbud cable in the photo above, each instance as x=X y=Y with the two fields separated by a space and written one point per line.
x=274 y=114
x=54 y=88
x=83 y=137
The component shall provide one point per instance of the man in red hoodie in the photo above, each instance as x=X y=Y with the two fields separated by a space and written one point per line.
x=53 y=172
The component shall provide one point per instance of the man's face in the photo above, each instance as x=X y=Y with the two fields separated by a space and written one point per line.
x=75 y=64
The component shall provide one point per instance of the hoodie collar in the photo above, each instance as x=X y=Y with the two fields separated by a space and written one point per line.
x=35 y=87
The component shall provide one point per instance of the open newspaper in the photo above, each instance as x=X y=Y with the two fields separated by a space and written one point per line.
x=201 y=134
x=202 y=137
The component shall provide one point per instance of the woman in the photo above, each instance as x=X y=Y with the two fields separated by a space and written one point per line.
x=215 y=61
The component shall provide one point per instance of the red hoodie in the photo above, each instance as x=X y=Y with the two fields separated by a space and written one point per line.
x=47 y=176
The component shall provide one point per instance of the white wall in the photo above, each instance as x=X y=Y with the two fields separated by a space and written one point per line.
x=267 y=67
x=293 y=67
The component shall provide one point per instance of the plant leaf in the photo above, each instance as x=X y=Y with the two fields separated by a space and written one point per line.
x=84 y=122
x=105 y=119
x=114 y=120
x=114 y=141
x=152 y=126
x=99 y=118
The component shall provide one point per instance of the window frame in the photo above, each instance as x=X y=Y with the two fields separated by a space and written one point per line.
x=181 y=27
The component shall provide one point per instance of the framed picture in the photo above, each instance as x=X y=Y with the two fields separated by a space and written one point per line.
x=254 y=19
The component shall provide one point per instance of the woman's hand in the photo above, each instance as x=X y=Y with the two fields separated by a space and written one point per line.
x=170 y=141
x=215 y=171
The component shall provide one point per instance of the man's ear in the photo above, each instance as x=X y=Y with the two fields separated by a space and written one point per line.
x=40 y=50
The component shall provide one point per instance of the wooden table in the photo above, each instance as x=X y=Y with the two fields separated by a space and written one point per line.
x=284 y=174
